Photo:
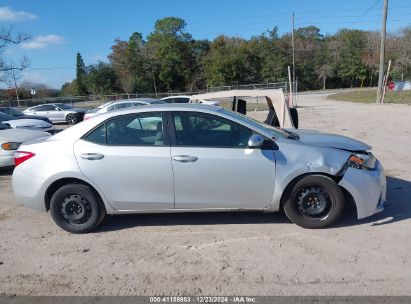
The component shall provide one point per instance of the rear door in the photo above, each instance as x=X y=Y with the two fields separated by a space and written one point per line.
x=128 y=158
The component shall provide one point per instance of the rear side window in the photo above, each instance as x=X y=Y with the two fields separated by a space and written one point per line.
x=131 y=130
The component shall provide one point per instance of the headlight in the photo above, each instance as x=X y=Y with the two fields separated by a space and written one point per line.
x=362 y=161
x=355 y=162
x=10 y=146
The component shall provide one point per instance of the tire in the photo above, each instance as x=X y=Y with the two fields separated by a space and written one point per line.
x=76 y=208
x=315 y=201
x=294 y=116
x=71 y=119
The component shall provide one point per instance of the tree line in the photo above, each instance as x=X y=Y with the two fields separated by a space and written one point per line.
x=169 y=59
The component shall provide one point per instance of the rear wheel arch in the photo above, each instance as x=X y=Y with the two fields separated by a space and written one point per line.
x=65 y=181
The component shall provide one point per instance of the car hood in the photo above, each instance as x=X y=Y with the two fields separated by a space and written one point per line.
x=21 y=135
x=27 y=123
x=321 y=139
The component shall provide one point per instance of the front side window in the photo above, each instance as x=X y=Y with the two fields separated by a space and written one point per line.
x=131 y=130
x=206 y=130
x=63 y=106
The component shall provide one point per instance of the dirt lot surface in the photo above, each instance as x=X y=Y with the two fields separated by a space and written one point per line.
x=228 y=254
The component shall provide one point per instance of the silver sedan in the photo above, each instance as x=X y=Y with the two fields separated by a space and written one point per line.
x=58 y=112
x=185 y=158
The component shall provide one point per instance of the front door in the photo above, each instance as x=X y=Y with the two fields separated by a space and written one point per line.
x=213 y=167
x=128 y=158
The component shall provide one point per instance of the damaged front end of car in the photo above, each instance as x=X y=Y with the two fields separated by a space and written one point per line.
x=364 y=178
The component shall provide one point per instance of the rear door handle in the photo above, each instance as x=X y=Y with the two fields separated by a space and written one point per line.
x=185 y=158
x=92 y=156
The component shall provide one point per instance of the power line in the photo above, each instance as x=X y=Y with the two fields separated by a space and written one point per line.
x=365 y=13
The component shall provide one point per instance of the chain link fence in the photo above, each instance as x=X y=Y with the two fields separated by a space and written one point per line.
x=91 y=101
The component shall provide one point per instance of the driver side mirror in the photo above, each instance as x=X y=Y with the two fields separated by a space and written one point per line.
x=256 y=141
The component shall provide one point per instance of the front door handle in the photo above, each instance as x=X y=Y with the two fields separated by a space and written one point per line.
x=185 y=158
x=92 y=156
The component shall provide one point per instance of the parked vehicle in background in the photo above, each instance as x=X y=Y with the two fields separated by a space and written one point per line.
x=11 y=139
x=58 y=112
x=187 y=157
x=30 y=124
x=20 y=115
x=120 y=104
x=186 y=99
x=176 y=99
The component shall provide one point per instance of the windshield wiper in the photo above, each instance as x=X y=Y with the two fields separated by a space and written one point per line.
x=291 y=135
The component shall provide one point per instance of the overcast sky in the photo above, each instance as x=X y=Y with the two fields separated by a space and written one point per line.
x=59 y=29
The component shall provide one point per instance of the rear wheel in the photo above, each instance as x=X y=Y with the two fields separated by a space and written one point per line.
x=71 y=119
x=76 y=208
x=315 y=201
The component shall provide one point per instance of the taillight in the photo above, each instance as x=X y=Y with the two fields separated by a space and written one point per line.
x=22 y=156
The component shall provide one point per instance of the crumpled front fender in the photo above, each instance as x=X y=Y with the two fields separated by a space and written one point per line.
x=368 y=189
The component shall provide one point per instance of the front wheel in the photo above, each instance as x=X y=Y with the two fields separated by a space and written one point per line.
x=76 y=208
x=71 y=119
x=315 y=201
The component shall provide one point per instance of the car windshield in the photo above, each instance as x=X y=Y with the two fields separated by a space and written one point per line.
x=277 y=132
x=63 y=106
x=4 y=126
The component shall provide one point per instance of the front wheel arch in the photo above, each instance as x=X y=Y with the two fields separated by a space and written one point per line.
x=314 y=201
x=288 y=189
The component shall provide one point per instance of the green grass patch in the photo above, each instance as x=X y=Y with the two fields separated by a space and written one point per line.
x=369 y=96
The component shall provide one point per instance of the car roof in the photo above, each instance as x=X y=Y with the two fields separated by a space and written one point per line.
x=176 y=96
x=136 y=100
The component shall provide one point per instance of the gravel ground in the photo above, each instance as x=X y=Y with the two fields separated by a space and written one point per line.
x=231 y=253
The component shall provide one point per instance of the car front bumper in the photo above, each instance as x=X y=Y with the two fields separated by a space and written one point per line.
x=368 y=189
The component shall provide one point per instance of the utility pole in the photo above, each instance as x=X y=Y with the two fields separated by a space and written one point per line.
x=382 y=51
x=293 y=46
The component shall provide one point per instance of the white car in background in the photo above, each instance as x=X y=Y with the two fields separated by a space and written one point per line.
x=186 y=99
x=11 y=139
x=120 y=104
x=30 y=124
x=58 y=112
